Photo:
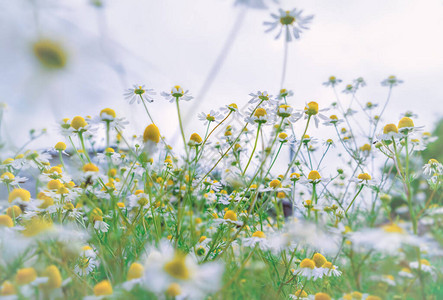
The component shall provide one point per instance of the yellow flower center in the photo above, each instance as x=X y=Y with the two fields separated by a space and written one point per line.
x=312 y=108
x=103 y=288
x=151 y=133
x=196 y=138
x=365 y=147
x=319 y=260
x=173 y=290
x=260 y=112
x=21 y=194
x=14 y=211
x=287 y=19
x=314 y=175
x=333 y=117
x=50 y=54
x=393 y=228
x=54 y=184
x=275 y=183
x=177 y=267
x=78 y=122
x=405 y=122
x=322 y=296
x=54 y=277
x=364 y=176
x=259 y=234
x=108 y=111
x=307 y=263
x=390 y=128
x=135 y=271
x=90 y=167
x=7 y=176
x=301 y=294
x=230 y=215
x=7 y=289
x=25 y=276
x=35 y=226
x=6 y=221
x=371 y=297
x=60 y=146
x=425 y=262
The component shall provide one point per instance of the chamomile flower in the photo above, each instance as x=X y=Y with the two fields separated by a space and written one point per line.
x=388 y=239
x=211 y=117
x=9 y=178
x=291 y=21
x=390 y=131
x=433 y=166
x=139 y=93
x=231 y=108
x=260 y=96
x=328 y=269
x=363 y=178
x=359 y=82
x=299 y=294
x=177 y=93
x=284 y=94
x=312 y=111
x=349 y=89
x=102 y=290
x=258 y=238
x=307 y=269
x=166 y=270
x=332 y=120
x=391 y=81
x=424 y=264
x=229 y=218
x=406 y=126
x=260 y=116
x=332 y=81
x=134 y=277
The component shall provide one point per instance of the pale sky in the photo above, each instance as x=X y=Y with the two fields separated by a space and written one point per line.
x=169 y=42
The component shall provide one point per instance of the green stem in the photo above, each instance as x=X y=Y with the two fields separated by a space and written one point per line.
x=253 y=150
x=181 y=127
x=355 y=197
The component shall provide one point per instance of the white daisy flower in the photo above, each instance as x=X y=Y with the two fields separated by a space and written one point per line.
x=332 y=81
x=139 y=93
x=291 y=21
x=391 y=81
x=177 y=92
x=257 y=238
x=169 y=271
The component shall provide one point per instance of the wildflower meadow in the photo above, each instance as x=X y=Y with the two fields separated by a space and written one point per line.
x=268 y=196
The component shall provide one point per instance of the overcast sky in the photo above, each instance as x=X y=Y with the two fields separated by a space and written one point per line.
x=164 y=43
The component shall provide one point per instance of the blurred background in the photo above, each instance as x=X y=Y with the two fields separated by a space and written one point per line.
x=60 y=59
